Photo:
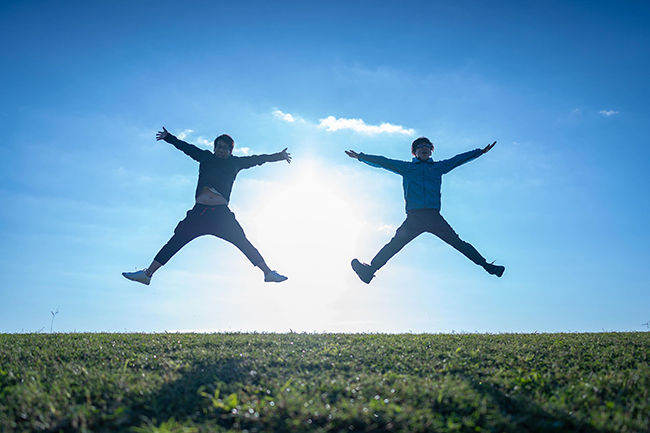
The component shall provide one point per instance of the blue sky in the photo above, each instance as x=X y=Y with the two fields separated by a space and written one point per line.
x=87 y=192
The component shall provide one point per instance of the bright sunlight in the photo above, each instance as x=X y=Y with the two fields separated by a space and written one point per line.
x=309 y=225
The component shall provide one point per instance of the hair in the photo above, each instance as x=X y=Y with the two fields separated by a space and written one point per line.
x=418 y=141
x=226 y=139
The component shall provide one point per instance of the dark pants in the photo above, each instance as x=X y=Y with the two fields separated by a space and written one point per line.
x=417 y=222
x=202 y=220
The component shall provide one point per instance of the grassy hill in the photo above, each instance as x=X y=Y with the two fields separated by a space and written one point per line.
x=325 y=382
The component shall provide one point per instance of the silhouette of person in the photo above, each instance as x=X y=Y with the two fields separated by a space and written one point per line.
x=210 y=214
x=422 y=179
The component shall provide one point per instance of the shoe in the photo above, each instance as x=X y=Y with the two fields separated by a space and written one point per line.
x=274 y=277
x=139 y=276
x=494 y=269
x=363 y=270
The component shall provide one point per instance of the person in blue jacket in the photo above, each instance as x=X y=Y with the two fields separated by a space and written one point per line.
x=210 y=214
x=421 y=180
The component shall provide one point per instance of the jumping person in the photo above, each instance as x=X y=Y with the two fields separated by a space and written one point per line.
x=422 y=178
x=210 y=214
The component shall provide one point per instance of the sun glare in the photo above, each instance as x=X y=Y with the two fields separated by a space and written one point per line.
x=308 y=225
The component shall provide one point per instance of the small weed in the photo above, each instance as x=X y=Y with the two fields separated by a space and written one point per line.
x=53 y=316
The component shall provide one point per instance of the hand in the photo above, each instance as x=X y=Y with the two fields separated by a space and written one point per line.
x=162 y=134
x=352 y=154
x=286 y=155
x=488 y=147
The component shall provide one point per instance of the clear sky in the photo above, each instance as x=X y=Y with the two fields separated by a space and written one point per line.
x=87 y=192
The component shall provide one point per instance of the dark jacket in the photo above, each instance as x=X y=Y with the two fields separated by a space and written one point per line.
x=215 y=172
x=421 y=180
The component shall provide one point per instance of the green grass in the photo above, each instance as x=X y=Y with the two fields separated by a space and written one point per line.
x=324 y=382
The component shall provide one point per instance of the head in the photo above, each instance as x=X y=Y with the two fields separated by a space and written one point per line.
x=223 y=146
x=422 y=148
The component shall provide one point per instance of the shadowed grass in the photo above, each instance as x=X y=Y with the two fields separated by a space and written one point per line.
x=324 y=382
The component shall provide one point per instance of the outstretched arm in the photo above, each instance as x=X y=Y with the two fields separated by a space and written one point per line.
x=449 y=164
x=379 y=161
x=189 y=149
x=273 y=157
x=253 y=160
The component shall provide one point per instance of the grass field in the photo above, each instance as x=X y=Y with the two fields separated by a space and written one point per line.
x=325 y=382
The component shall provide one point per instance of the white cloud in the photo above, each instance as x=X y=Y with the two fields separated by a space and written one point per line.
x=333 y=124
x=386 y=228
x=286 y=116
x=608 y=113
x=202 y=141
x=183 y=134
x=242 y=151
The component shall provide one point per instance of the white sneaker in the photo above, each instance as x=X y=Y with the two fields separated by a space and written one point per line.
x=138 y=276
x=274 y=277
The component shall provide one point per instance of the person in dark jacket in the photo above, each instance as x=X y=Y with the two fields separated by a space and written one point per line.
x=421 y=180
x=210 y=214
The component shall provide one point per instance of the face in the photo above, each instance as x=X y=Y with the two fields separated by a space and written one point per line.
x=423 y=152
x=222 y=149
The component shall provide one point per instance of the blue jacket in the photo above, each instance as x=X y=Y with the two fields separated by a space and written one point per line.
x=421 y=180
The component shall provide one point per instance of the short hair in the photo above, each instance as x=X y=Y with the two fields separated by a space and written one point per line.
x=226 y=139
x=418 y=141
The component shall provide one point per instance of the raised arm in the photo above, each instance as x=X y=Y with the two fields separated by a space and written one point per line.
x=393 y=165
x=253 y=160
x=460 y=159
x=189 y=149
